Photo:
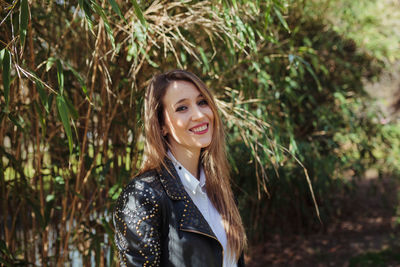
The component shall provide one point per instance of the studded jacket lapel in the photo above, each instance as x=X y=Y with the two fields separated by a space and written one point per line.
x=191 y=218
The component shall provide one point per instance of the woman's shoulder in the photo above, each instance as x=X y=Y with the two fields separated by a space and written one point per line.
x=144 y=185
x=141 y=199
x=144 y=181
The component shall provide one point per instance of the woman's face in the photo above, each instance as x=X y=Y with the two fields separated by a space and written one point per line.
x=188 y=119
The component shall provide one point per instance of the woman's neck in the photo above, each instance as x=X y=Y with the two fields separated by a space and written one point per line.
x=189 y=160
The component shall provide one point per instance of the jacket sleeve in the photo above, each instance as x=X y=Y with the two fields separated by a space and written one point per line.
x=137 y=220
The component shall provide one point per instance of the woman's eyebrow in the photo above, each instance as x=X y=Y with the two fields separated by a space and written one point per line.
x=180 y=101
x=184 y=99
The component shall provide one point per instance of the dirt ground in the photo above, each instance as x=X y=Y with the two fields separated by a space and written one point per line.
x=367 y=235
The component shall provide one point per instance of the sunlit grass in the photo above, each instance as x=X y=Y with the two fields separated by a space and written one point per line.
x=374 y=25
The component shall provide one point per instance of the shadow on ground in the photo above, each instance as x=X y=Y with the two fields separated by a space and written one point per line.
x=366 y=235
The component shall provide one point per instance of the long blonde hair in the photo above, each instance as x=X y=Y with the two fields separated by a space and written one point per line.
x=213 y=158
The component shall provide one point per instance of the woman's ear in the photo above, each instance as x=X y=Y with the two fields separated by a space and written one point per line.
x=164 y=131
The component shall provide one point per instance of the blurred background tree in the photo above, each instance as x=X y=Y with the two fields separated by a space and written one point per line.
x=290 y=81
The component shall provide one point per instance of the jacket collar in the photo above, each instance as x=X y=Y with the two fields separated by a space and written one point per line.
x=171 y=182
x=191 y=218
x=190 y=183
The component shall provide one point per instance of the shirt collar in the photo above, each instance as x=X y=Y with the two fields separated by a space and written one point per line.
x=188 y=180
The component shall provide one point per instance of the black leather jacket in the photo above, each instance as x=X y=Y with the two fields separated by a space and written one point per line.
x=157 y=224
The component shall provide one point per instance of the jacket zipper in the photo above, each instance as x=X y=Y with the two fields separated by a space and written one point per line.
x=201 y=233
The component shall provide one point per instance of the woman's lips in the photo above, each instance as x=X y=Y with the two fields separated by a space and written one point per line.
x=200 y=129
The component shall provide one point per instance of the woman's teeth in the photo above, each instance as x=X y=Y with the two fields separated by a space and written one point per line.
x=199 y=129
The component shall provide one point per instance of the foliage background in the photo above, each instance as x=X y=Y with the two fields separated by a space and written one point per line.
x=289 y=77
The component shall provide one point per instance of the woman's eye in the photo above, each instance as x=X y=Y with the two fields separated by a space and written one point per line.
x=203 y=102
x=181 y=108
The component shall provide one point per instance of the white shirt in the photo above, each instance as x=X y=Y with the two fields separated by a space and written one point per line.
x=197 y=192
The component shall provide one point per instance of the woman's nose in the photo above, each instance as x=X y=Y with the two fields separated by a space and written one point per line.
x=197 y=113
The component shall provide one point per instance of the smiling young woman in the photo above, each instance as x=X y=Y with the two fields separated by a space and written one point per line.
x=188 y=123
x=180 y=210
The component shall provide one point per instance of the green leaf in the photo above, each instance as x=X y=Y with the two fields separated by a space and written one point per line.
x=139 y=32
x=50 y=198
x=18 y=121
x=281 y=19
x=311 y=71
x=49 y=63
x=63 y=111
x=252 y=38
x=151 y=62
x=4 y=248
x=116 y=9
x=72 y=110
x=99 y=10
x=60 y=77
x=51 y=98
x=132 y=52
x=241 y=31
x=139 y=12
x=59 y=180
x=85 y=6
x=227 y=16
x=234 y=4
x=23 y=20
x=204 y=58
x=2 y=52
x=78 y=195
x=6 y=75
x=291 y=58
x=42 y=95
x=42 y=120
x=115 y=191
x=79 y=77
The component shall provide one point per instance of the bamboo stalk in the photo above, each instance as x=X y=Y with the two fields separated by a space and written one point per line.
x=4 y=188
x=83 y=150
